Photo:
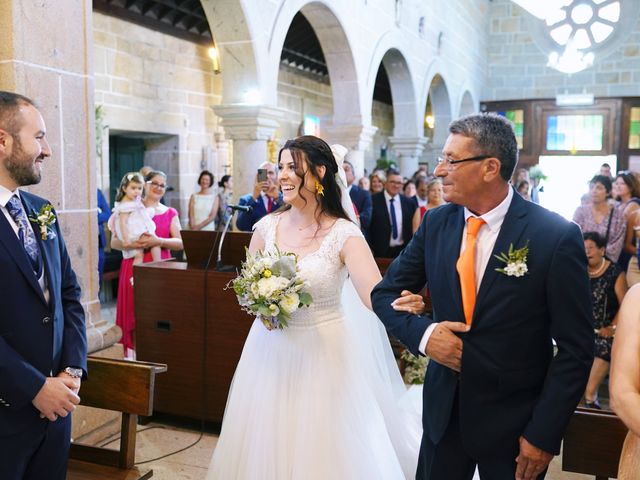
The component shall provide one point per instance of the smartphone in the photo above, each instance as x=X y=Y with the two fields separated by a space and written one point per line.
x=262 y=175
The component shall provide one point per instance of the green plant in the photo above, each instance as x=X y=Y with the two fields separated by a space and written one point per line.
x=415 y=368
x=536 y=173
x=384 y=163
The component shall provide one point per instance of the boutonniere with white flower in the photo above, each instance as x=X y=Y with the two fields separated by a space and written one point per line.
x=44 y=219
x=515 y=260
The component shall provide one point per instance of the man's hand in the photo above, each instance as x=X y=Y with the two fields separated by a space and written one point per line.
x=272 y=190
x=531 y=461
x=444 y=346
x=76 y=381
x=409 y=302
x=259 y=187
x=56 y=398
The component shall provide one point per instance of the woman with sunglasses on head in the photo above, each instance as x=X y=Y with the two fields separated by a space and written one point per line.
x=167 y=237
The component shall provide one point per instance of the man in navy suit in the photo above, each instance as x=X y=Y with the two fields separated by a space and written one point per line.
x=495 y=396
x=391 y=225
x=361 y=198
x=43 y=346
x=264 y=199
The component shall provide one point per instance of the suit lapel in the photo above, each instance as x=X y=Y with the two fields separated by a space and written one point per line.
x=44 y=245
x=12 y=244
x=452 y=240
x=511 y=232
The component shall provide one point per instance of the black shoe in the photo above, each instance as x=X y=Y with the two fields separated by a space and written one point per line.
x=594 y=405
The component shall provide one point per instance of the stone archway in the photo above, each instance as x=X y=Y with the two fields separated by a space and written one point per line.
x=407 y=141
x=467 y=105
x=441 y=109
x=349 y=124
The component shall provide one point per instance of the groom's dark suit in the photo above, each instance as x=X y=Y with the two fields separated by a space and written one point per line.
x=38 y=338
x=510 y=383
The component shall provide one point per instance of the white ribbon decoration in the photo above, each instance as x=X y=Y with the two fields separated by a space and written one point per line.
x=339 y=153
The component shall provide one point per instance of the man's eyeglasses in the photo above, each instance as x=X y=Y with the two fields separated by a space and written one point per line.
x=157 y=185
x=448 y=163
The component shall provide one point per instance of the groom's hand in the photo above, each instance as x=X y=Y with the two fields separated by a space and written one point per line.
x=444 y=346
x=531 y=461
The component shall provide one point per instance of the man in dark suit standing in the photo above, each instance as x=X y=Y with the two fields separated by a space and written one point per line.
x=391 y=219
x=361 y=198
x=43 y=347
x=264 y=199
x=495 y=395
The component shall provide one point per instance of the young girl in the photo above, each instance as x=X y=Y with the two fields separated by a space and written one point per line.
x=130 y=218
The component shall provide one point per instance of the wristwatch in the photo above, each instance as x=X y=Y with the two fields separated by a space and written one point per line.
x=73 y=372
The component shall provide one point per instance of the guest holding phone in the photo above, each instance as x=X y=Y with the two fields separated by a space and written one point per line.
x=264 y=199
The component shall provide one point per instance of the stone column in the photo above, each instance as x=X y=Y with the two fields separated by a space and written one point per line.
x=408 y=150
x=56 y=71
x=250 y=127
x=357 y=138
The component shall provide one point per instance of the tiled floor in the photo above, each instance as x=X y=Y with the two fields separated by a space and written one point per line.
x=161 y=437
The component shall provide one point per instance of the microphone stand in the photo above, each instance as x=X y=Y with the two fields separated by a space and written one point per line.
x=219 y=266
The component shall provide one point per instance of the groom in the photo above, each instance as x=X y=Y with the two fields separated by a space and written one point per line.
x=43 y=347
x=495 y=395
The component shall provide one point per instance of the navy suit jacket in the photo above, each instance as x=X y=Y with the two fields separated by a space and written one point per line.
x=246 y=220
x=37 y=338
x=362 y=200
x=510 y=383
x=379 y=232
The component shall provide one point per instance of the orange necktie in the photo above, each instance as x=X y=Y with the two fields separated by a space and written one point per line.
x=466 y=267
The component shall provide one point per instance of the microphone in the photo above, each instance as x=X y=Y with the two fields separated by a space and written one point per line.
x=241 y=208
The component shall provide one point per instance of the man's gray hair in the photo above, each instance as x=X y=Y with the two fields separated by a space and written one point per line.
x=494 y=135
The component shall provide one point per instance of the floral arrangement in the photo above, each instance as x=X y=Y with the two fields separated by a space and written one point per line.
x=515 y=260
x=415 y=368
x=270 y=287
x=44 y=219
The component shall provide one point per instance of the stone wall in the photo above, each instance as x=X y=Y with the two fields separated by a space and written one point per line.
x=300 y=95
x=152 y=83
x=518 y=68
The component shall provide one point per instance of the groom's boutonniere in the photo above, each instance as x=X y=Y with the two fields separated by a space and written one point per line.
x=515 y=260
x=44 y=219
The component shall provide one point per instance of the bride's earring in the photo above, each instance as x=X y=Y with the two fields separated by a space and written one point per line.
x=319 y=189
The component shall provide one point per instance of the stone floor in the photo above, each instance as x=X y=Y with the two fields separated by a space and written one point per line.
x=160 y=437
x=165 y=436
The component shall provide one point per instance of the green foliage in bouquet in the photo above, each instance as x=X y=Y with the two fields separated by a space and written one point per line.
x=415 y=368
x=270 y=287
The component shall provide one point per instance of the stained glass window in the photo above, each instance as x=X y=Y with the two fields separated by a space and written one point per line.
x=634 y=128
x=517 y=118
x=575 y=132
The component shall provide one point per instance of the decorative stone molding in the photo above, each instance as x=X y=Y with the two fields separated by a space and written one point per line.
x=357 y=138
x=408 y=150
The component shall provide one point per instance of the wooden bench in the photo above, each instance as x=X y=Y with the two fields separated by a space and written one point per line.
x=122 y=386
x=593 y=443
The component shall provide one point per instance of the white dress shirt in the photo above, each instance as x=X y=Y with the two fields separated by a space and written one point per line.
x=397 y=206
x=5 y=196
x=485 y=242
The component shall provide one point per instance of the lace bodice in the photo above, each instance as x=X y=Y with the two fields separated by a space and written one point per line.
x=323 y=270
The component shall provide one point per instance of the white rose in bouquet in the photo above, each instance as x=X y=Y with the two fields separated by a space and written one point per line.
x=290 y=303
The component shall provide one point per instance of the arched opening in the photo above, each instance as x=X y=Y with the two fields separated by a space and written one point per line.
x=467 y=106
x=437 y=119
x=380 y=155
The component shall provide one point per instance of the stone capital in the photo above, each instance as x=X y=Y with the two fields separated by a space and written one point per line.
x=249 y=122
x=354 y=137
x=408 y=146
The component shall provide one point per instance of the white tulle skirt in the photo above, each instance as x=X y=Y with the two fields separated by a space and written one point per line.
x=319 y=400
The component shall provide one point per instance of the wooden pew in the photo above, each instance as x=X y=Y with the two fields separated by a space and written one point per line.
x=593 y=443
x=122 y=386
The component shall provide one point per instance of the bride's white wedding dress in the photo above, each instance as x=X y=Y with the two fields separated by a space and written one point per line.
x=323 y=398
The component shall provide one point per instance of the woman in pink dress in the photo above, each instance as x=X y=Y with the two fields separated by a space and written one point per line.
x=167 y=237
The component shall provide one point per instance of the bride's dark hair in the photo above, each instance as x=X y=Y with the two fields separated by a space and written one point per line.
x=314 y=152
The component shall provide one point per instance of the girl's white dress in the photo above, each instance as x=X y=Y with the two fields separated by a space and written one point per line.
x=323 y=398
x=139 y=222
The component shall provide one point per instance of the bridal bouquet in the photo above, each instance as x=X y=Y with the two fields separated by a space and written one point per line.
x=270 y=287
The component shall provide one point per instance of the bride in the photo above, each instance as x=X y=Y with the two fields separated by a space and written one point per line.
x=323 y=398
